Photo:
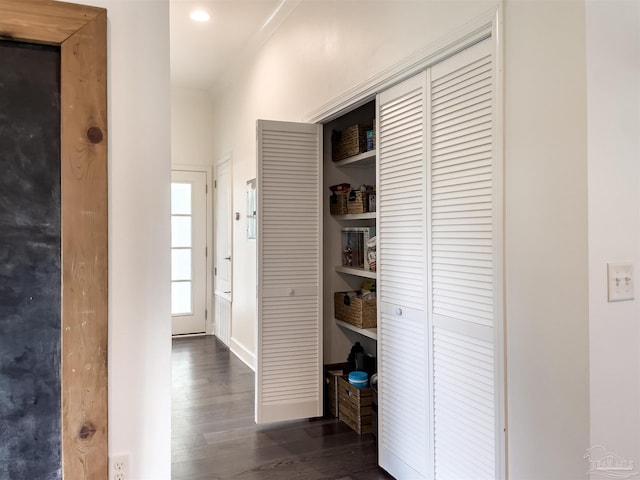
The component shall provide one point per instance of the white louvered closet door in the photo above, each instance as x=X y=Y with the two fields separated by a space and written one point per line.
x=289 y=333
x=403 y=334
x=463 y=263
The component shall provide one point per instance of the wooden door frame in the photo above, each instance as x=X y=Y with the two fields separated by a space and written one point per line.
x=81 y=34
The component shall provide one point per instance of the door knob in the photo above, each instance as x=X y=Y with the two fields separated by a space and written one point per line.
x=228 y=258
x=292 y=292
x=398 y=311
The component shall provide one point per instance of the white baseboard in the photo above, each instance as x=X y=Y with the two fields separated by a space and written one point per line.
x=243 y=353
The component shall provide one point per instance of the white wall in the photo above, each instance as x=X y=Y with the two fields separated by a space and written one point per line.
x=546 y=239
x=191 y=127
x=321 y=50
x=139 y=234
x=572 y=122
x=613 y=93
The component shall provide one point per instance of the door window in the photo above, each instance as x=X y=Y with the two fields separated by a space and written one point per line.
x=181 y=249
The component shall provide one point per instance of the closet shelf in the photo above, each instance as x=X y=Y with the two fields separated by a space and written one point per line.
x=358 y=272
x=362 y=160
x=367 y=332
x=356 y=216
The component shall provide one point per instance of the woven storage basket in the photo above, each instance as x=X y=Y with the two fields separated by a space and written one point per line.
x=338 y=203
x=355 y=406
x=351 y=141
x=360 y=313
x=357 y=202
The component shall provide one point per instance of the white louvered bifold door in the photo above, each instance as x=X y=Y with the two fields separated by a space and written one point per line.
x=463 y=252
x=289 y=333
x=403 y=357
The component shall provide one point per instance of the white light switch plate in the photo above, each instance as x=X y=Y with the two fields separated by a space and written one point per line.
x=620 y=281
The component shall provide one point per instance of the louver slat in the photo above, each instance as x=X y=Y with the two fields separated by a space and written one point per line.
x=462 y=260
x=404 y=398
x=288 y=377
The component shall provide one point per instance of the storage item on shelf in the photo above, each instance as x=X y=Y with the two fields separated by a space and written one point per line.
x=371 y=255
x=369 y=364
x=340 y=187
x=349 y=142
x=358 y=202
x=338 y=203
x=368 y=289
x=338 y=199
x=354 y=240
x=373 y=129
x=359 y=312
x=352 y=247
x=355 y=406
x=368 y=265
x=372 y=201
x=359 y=379
x=355 y=360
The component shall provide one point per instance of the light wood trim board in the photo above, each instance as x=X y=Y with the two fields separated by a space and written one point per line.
x=81 y=33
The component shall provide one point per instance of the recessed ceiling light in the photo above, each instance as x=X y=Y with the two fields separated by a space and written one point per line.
x=200 y=16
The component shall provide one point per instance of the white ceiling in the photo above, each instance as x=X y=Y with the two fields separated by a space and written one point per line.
x=203 y=54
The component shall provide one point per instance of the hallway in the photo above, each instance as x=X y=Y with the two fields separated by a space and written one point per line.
x=214 y=436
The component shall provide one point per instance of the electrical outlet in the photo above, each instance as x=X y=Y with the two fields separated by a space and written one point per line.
x=119 y=467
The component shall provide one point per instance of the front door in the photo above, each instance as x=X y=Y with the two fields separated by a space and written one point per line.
x=188 y=251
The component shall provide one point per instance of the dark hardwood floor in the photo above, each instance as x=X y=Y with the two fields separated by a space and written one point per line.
x=214 y=435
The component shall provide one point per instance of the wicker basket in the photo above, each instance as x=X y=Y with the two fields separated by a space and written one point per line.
x=338 y=203
x=356 y=311
x=355 y=406
x=351 y=141
x=358 y=202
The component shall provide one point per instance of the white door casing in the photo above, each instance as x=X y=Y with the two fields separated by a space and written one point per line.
x=223 y=229
x=223 y=249
x=289 y=330
x=188 y=251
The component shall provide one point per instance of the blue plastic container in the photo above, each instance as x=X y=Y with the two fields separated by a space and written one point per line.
x=359 y=379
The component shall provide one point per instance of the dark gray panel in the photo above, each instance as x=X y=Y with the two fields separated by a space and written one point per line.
x=30 y=279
